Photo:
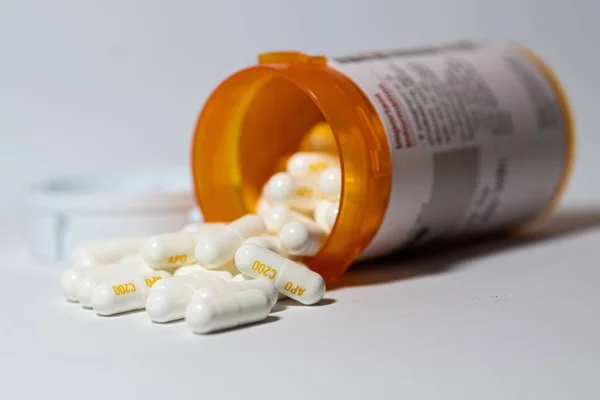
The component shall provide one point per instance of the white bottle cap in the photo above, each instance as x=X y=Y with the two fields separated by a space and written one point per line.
x=69 y=211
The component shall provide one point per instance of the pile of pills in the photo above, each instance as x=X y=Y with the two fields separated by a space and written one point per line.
x=216 y=275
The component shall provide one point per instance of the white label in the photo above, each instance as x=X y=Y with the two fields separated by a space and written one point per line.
x=476 y=135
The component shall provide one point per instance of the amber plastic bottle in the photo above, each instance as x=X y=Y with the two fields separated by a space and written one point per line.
x=434 y=143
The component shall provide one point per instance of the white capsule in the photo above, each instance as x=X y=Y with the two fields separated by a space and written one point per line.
x=279 y=215
x=299 y=193
x=171 y=249
x=210 y=291
x=218 y=249
x=189 y=269
x=319 y=138
x=225 y=271
x=169 y=298
x=244 y=277
x=222 y=274
x=302 y=238
x=105 y=253
x=319 y=215
x=290 y=278
x=87 y=284
x=306 y=196
x=210 y=227
x=227 y=268
x=331 y=214
x=262 y=207
x=124 y=293
x=330 y=183
x=136 y=258
x=96 y=273
x=227 y=311
x=304 y=164
x=266 y=286
x=69 y=280
x=193 y=269
x=71 y=277
x=194 y=279
x=268 y=242
x=241 y=278
x=325 y=214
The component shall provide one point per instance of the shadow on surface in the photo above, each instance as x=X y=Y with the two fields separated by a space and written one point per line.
x=121 y=314
x=293 y=303
x=173 y=322
x=439 y=259
x=268 y=320
x=278 y=307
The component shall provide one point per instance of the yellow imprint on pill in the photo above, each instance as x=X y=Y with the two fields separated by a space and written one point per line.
x=289 y=277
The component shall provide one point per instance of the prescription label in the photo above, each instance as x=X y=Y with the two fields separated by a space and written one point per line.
x=470 y=130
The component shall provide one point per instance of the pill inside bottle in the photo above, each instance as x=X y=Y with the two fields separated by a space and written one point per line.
x=433 y=144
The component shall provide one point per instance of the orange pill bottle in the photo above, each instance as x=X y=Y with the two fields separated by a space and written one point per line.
x=434 y=143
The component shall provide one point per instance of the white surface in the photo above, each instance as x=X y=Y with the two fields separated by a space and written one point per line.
x=95 y=85
x=514 y=319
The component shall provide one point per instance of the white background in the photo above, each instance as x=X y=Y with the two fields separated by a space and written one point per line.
x=91 y=85
x=95 y=85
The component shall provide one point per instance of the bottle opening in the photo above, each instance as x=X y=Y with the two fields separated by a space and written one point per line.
x=260 y=116
x=273 y=126
x=250 y=125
